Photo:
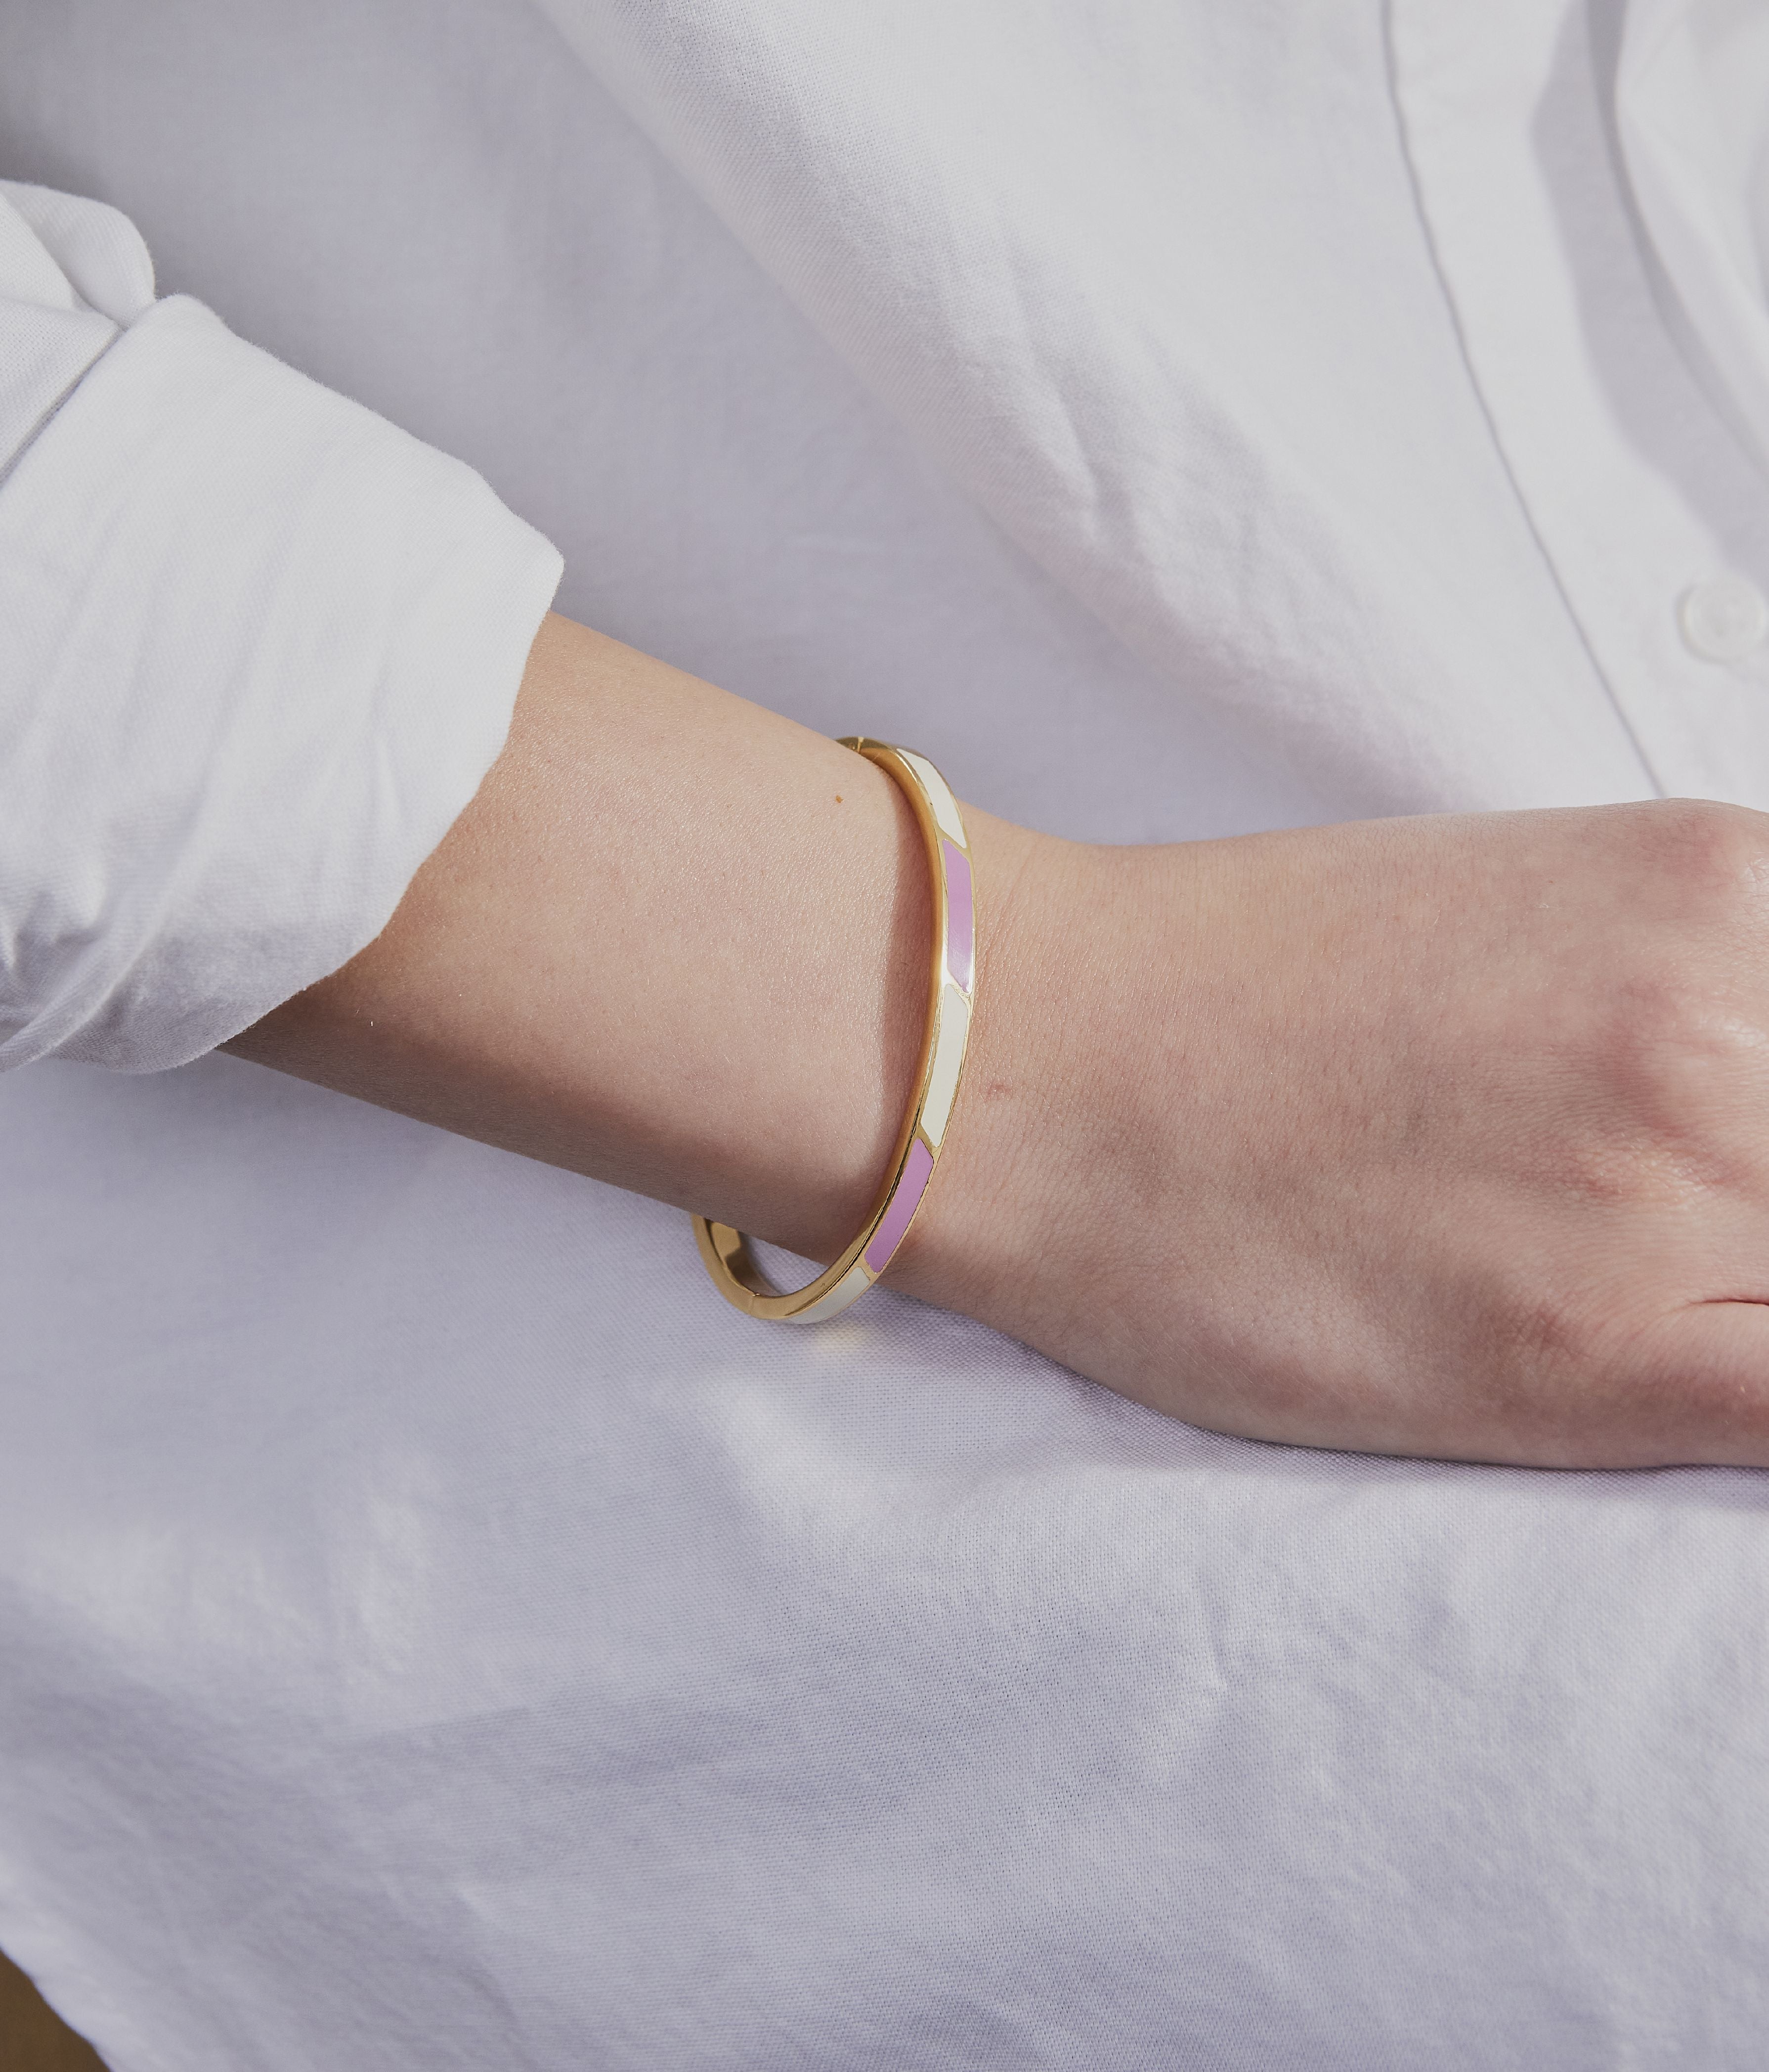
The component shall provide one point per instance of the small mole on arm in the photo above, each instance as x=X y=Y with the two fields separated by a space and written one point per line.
x=838 y=798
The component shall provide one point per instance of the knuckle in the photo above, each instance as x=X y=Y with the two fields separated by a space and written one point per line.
x=1684 y=1009
x=1714 y=856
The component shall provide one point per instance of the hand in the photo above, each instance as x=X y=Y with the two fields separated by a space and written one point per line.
x=1443 y=1137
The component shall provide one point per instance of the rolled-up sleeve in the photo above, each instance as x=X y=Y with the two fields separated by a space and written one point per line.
x=258 y=648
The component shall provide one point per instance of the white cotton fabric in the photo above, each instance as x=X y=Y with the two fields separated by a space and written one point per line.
x=1692 y=116
x=85 y=254
x=258 y=648
x=436 y=1632
x=49 y=335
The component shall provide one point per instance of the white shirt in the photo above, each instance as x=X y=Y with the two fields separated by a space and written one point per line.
x=432 y=1629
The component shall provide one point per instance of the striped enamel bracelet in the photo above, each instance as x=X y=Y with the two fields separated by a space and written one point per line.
x=951 y=991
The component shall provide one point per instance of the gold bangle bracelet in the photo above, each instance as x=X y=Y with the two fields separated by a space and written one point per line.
x=951 y=994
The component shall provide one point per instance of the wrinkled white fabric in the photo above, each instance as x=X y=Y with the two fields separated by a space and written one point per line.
x=258 y=648
x=434 y=1631
x=1692 y=116
x=49 y=334
x=1206 y=389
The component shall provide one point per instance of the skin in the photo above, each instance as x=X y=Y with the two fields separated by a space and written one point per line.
x=1443 y=1137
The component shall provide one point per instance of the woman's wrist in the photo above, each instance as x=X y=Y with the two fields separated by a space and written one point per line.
x=681 y=944
x=981 y=1214
x=676 y=942
x=1078 y=1061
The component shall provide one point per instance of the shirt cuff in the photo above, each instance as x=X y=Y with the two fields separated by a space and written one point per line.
x=257 y=649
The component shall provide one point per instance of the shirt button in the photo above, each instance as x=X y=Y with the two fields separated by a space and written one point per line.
x=1723 y=618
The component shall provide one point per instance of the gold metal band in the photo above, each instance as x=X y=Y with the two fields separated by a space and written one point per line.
x=951 y=994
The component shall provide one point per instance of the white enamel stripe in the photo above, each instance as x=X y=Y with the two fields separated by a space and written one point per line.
x=853 y=1283
x=948 y=1057
x=740 y=1278
x=939 y=793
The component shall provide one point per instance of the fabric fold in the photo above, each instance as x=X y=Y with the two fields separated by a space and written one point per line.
x=257 y=649
x=1692 y=111
x=1090 y=325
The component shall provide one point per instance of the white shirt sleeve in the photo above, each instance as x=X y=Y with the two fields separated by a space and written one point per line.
x=257 y=649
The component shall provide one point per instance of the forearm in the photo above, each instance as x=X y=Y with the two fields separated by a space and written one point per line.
x=676 y=942
x=1429 y=1136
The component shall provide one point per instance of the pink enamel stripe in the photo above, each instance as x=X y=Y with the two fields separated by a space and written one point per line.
x=904 y=1203
x=960 y=928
